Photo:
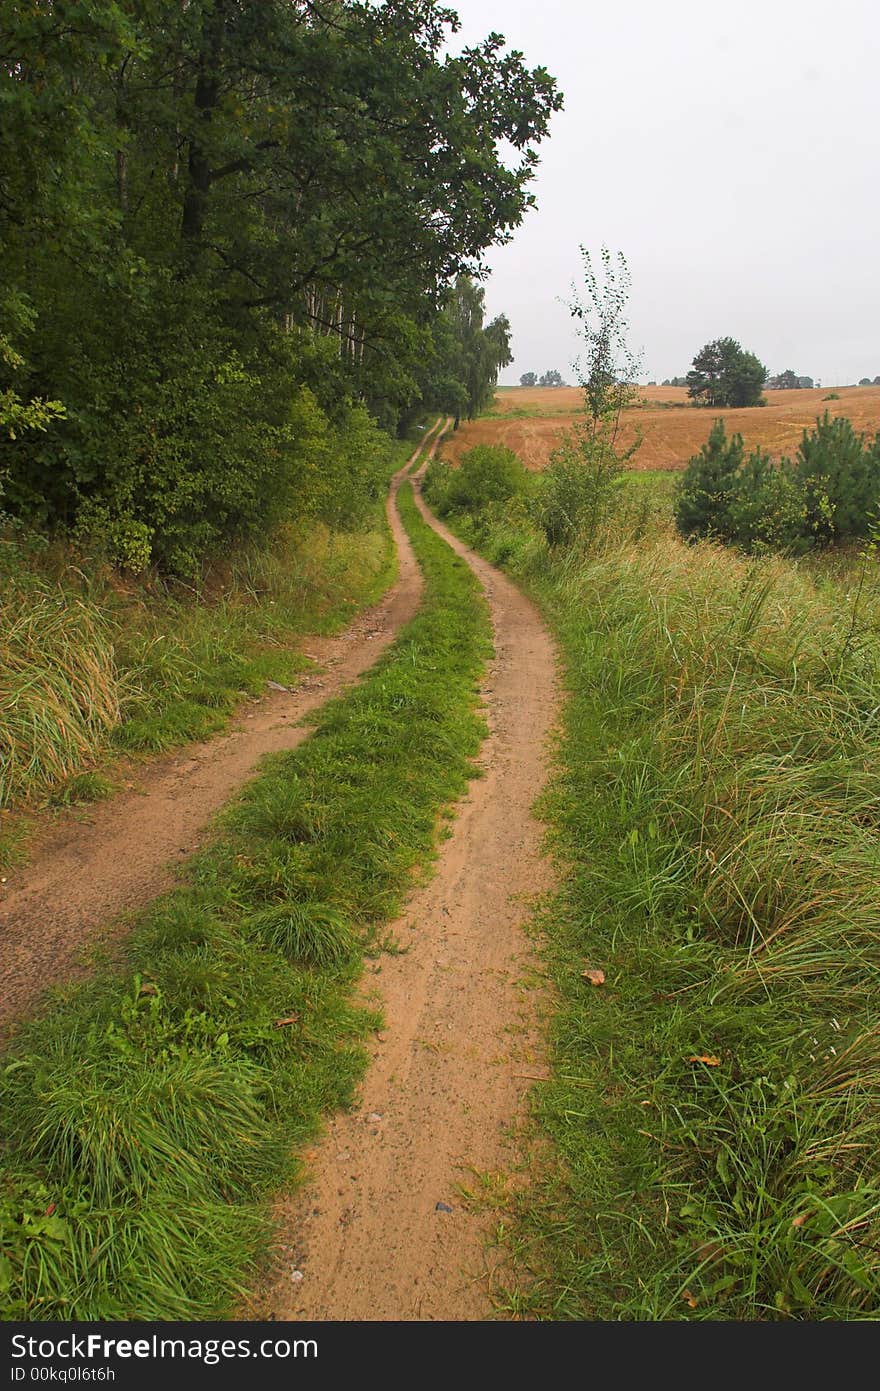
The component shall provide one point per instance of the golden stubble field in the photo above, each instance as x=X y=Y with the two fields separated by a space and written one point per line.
x=529 y=420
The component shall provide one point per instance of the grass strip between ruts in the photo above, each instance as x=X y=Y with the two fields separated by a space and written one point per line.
x=151 y=1114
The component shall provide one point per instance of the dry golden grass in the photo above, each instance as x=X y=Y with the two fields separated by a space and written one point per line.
x=529 y=419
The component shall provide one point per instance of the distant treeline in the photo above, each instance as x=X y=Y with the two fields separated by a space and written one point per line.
x=234 y=237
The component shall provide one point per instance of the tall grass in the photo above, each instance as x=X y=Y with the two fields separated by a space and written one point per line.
x=147 y=1116
x=59 y=685
x=715 y=1108
x=90 y=664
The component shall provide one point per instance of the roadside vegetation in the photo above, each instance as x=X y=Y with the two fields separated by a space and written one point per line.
x=96 y=663
x=829 y=493
x=715 y=945
x=209 y=295
x=149 y=1116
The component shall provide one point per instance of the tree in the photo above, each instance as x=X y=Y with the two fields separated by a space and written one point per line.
x=468 y=354
x=528 y=379
x=209 y=208
x=551 y=378
x=577 y=491
x=704 y=491
x=865 y=381
x=724 y=374
x=785 y=381
x=829 y=493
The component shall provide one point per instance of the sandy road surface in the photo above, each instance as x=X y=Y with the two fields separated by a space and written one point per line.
x=86 y=873
x=365 y=1239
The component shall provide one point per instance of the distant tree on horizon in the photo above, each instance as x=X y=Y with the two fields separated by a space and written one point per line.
x=551 y=378
x=784 y=381
x=789 y=381
x=725 y=374
x=529 y=379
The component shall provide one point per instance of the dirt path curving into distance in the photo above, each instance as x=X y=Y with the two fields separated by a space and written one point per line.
x=86 y=873
x=380 y=1231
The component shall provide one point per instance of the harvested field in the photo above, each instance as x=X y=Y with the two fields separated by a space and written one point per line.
x=529 y=419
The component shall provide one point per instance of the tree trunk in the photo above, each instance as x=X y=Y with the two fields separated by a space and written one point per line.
x=207 y=95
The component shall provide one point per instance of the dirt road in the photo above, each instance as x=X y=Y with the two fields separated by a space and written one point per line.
x=382 y=1231
x=87 y=873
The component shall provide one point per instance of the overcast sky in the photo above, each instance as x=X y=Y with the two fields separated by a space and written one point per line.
x=730 y=151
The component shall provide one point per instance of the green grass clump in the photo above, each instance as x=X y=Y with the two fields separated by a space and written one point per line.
x=91 y=664
x=59 y=684
x=150 y=1114
x=715 y=1104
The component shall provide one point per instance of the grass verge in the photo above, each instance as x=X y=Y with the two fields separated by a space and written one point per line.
x=147 y=1119
x=715 y=1107
x=94 y=665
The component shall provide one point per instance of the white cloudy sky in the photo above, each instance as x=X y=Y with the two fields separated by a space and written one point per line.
x=730 y=151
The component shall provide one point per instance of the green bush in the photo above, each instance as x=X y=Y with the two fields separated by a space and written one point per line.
x=183 y=437
x=704 y=493
x=577 y=492
x=766 y=507
x=488 y=473
x=830 y=493
x=838 y=473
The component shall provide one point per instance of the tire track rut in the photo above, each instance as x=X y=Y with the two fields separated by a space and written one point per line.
x=365 y=1238
x=87 y=873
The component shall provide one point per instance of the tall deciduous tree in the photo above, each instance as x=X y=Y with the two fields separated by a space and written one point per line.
x=209 y=207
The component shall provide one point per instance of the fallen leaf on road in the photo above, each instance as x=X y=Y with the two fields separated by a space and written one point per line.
x=594 y=976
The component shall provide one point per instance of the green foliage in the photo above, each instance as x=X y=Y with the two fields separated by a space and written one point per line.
x=576 y=493
x=18 y=416
x=607 y=369
x=90 y=665
x=488 y=473
x=838 y=472
x=830 y=493
x=147 y=1119
x=713 y=1106
x=199 y=263
x=528 y=379
x=789 y=381
x=724 y=374
x=766 y=508
x=466 y=353
x=705 y=492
